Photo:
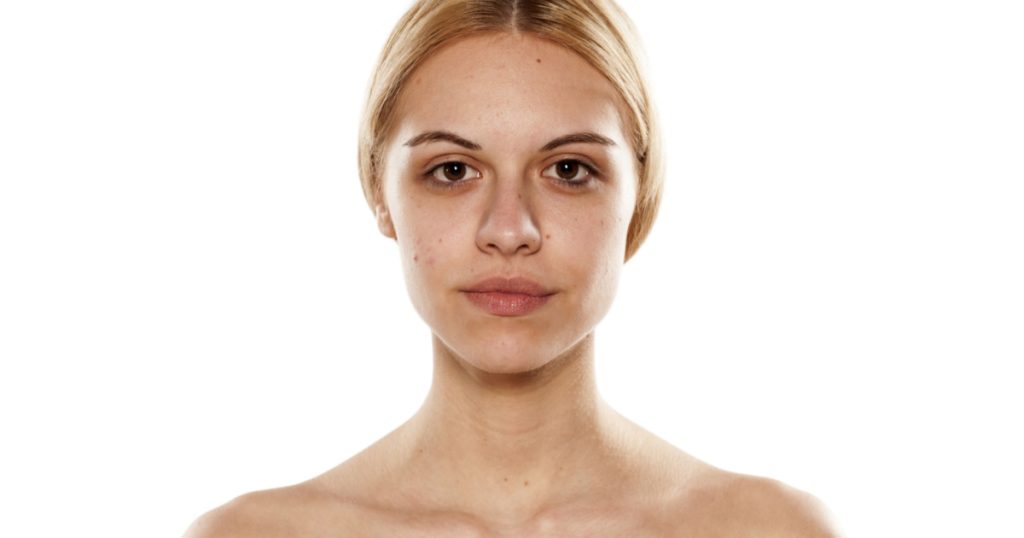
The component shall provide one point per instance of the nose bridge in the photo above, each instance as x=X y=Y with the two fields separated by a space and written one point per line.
x=508 y=224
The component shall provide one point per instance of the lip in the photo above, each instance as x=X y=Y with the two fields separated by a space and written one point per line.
x=515 y=296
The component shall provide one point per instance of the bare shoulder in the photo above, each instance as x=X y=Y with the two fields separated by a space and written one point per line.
x=288 y=511
x=729 y=504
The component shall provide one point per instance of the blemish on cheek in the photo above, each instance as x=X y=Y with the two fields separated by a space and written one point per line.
x=547 y=236
x=526 y=483
x=538 y=60
x=416 y=257
x=438 y=240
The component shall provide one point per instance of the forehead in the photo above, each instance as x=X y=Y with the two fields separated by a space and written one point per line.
x=504 y=86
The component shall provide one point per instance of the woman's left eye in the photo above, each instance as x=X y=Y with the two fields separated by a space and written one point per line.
x=571 y=172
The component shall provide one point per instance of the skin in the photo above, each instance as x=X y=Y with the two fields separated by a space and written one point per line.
x=513 y=438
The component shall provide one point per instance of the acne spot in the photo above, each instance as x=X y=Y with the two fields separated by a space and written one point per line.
x=430 y=261
x=519 y=196
x=438 y=240
x=547 y=236
x=416 y=258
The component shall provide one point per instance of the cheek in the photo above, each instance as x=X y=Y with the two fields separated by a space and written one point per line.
x=594 y=233
x=590 y=249
x=425 y=237
x=425 y=250
x=421 y=245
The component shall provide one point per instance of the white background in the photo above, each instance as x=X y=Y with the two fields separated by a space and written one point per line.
x=195 y=302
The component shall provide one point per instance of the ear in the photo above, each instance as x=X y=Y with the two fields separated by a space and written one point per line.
x=384 y=223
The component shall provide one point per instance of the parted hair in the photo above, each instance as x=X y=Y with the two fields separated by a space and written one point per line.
x=597 y=30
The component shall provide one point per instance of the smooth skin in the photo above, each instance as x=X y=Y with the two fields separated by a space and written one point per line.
x=513 y=438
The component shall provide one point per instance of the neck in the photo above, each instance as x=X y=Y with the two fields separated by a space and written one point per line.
x=509 y=444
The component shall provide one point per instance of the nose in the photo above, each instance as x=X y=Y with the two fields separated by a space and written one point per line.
x=508 y=226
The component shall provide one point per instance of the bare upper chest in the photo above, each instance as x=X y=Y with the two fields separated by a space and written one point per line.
x=330 y=517
x=578 y=521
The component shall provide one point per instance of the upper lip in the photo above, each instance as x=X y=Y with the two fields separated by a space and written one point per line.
x=517 y=284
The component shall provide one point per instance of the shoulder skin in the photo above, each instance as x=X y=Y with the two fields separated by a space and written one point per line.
x=739 y=505
x=291 y=511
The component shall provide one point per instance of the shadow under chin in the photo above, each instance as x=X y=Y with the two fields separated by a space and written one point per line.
x=514 y=368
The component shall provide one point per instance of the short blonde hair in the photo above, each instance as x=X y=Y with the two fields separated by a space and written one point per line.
x=597 y=30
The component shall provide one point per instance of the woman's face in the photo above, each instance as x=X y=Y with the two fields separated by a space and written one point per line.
x=509 y=184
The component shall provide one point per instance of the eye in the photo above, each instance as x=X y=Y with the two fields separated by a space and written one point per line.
x=453 y=172
x=571 y=172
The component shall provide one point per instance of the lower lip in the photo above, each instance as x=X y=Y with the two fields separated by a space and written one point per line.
x=506 y=304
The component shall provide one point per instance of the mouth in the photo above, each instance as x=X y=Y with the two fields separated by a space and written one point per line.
x=508 y=297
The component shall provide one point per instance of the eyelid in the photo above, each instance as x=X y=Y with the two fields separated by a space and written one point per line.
x=585 y=161
x=430 y=174
x=445 y=159
x=593 y=172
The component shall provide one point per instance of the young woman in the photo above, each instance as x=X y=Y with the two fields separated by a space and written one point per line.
x=510 y=151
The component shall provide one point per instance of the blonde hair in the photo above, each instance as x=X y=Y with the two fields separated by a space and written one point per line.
x=597 y=30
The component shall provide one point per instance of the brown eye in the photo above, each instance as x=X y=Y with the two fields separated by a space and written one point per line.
x=571 y=172
x=567 y=170
x=454 y=171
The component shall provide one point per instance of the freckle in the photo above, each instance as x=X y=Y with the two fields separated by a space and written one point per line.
x=416 y=258
x=548 y=236
x=538 y=60
x=438 y=240
x=519 y=196
x=506 y=479
x=526 y=483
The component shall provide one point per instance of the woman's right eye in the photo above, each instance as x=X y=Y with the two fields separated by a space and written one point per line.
x=453 y=172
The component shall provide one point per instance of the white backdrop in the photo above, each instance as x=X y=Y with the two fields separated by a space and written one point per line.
x=195 y=302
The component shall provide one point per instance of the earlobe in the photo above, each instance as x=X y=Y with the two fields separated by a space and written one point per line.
x=384 y=223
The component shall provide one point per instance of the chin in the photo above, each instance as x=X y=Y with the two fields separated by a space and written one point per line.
x=508 y=353
x=497 y=355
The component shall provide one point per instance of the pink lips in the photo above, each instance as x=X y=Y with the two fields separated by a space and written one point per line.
x=508 y=296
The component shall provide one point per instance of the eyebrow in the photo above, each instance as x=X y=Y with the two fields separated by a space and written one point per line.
x=445 y=136
x=441 y=136
x=578 y=138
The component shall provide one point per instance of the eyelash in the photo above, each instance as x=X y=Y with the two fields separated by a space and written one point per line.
x=592 y=174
